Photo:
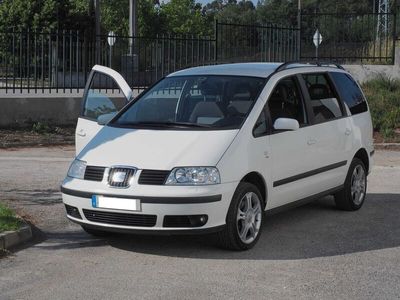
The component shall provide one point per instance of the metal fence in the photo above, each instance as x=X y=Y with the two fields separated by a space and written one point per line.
x=349 y=38
x=240 y=43
x=62 y=61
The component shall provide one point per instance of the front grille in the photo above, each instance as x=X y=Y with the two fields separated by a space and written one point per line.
x=125 y=181
x=153 y=177
x=73 y=211
x=94 y=173
x=120 y=218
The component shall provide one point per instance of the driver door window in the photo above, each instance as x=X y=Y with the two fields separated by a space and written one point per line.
x=286 y=102
x=103 y=97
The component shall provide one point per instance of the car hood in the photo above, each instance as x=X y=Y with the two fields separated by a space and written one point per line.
x=156 y=149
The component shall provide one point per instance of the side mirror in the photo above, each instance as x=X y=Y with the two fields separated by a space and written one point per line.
x=286 y=124
x=104 y=119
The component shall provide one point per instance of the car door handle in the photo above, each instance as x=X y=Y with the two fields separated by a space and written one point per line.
x=347 y=132
x=81 y=133
x=311 y=142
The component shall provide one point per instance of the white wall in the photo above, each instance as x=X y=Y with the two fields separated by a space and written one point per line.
x=364 y=73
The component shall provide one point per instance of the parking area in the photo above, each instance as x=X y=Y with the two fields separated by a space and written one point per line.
x=314 y=251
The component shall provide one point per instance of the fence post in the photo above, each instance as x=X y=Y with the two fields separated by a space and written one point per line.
x=298 y=54
x=216 y=41
x=394 y=37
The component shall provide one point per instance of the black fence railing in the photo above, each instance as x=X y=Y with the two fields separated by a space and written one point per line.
x=272 y=43
x=349 y=38
x=61 y=61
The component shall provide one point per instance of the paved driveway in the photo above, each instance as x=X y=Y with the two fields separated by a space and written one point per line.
x=310 y=252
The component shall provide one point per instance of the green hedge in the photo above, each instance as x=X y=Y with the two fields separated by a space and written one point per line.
x=8 y=220
x=383 y=96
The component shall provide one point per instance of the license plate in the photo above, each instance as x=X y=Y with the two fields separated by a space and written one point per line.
x=116 y=203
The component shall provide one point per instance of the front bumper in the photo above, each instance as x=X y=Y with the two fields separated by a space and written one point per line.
x=159 y=201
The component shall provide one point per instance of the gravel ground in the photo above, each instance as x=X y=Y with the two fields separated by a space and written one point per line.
x=313 y=251
x=28 y=138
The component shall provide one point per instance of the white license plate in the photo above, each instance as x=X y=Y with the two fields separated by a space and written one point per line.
x=116 y=203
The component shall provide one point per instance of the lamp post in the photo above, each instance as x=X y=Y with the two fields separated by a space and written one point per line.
x=299 y=28
x=96 y=4
x=132 y=23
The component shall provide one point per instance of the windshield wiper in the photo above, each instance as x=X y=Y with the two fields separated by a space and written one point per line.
x=168 y=124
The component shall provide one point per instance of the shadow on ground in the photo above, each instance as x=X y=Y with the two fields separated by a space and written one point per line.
x=314 y=230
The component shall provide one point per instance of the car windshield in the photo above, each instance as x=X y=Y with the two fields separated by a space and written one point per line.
x=217 y=102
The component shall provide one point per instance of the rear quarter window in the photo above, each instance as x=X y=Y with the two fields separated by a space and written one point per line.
x=324 y=102
x=350 y=93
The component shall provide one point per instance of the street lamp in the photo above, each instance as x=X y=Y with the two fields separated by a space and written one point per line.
x=299 y=27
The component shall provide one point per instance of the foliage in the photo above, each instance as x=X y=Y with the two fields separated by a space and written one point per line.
x=8 y=220
x=41 y=128
x=184 y=17
x=383 y=94
x=36 y=15
x=175 y=16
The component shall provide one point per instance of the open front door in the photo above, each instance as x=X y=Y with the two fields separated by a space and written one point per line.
x=106 y=92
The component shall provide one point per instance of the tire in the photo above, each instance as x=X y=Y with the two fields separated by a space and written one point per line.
x=243 y=228
x=95 y=232
x=352 y=196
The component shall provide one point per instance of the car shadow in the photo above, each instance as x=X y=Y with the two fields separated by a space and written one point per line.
x=314 y=230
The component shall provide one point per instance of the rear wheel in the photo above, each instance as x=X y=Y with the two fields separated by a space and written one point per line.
x=95 y=232
x=355 y=187
x=244 y=219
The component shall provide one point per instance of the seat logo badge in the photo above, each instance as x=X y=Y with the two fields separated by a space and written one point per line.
x=119 y=177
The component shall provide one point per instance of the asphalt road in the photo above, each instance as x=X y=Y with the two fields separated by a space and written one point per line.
x=314 y=251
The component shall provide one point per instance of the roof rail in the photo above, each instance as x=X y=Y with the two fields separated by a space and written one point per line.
x=286 y=65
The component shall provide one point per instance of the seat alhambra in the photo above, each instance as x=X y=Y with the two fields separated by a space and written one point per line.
x=211 y=149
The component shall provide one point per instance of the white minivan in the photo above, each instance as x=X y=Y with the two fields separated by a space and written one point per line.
x=210 y=149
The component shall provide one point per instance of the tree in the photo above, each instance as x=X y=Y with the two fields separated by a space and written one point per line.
x=277 y=12
x=39 y=15
x=184 y=17
x=243 y=12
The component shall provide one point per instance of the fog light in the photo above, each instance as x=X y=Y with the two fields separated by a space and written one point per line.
x=185 y=221
x=198 y=220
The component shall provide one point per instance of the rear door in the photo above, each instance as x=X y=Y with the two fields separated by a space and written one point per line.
x=330 y=135
x=106 y=92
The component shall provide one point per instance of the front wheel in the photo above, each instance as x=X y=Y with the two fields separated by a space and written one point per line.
x=244 y=219
x=352 y=196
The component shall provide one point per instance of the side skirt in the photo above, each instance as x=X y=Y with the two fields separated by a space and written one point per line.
x=303 y=201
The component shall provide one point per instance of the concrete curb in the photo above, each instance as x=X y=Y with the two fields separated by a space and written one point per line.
x=10 y=239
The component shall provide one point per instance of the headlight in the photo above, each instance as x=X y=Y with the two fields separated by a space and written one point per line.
x=77 y=169
x=194 y=176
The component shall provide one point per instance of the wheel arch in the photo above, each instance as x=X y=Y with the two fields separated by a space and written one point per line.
x=258 y=180
x=362 y=154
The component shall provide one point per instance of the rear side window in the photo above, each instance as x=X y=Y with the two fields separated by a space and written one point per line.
x=350 y=93
x=324 y=103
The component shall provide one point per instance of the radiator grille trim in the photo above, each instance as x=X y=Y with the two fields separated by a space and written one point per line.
x=153 y=177
x=94 y=173
x=124 y=219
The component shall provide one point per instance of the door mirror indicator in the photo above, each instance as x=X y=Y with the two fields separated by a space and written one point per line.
x=104 y=119
x=286 y=124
